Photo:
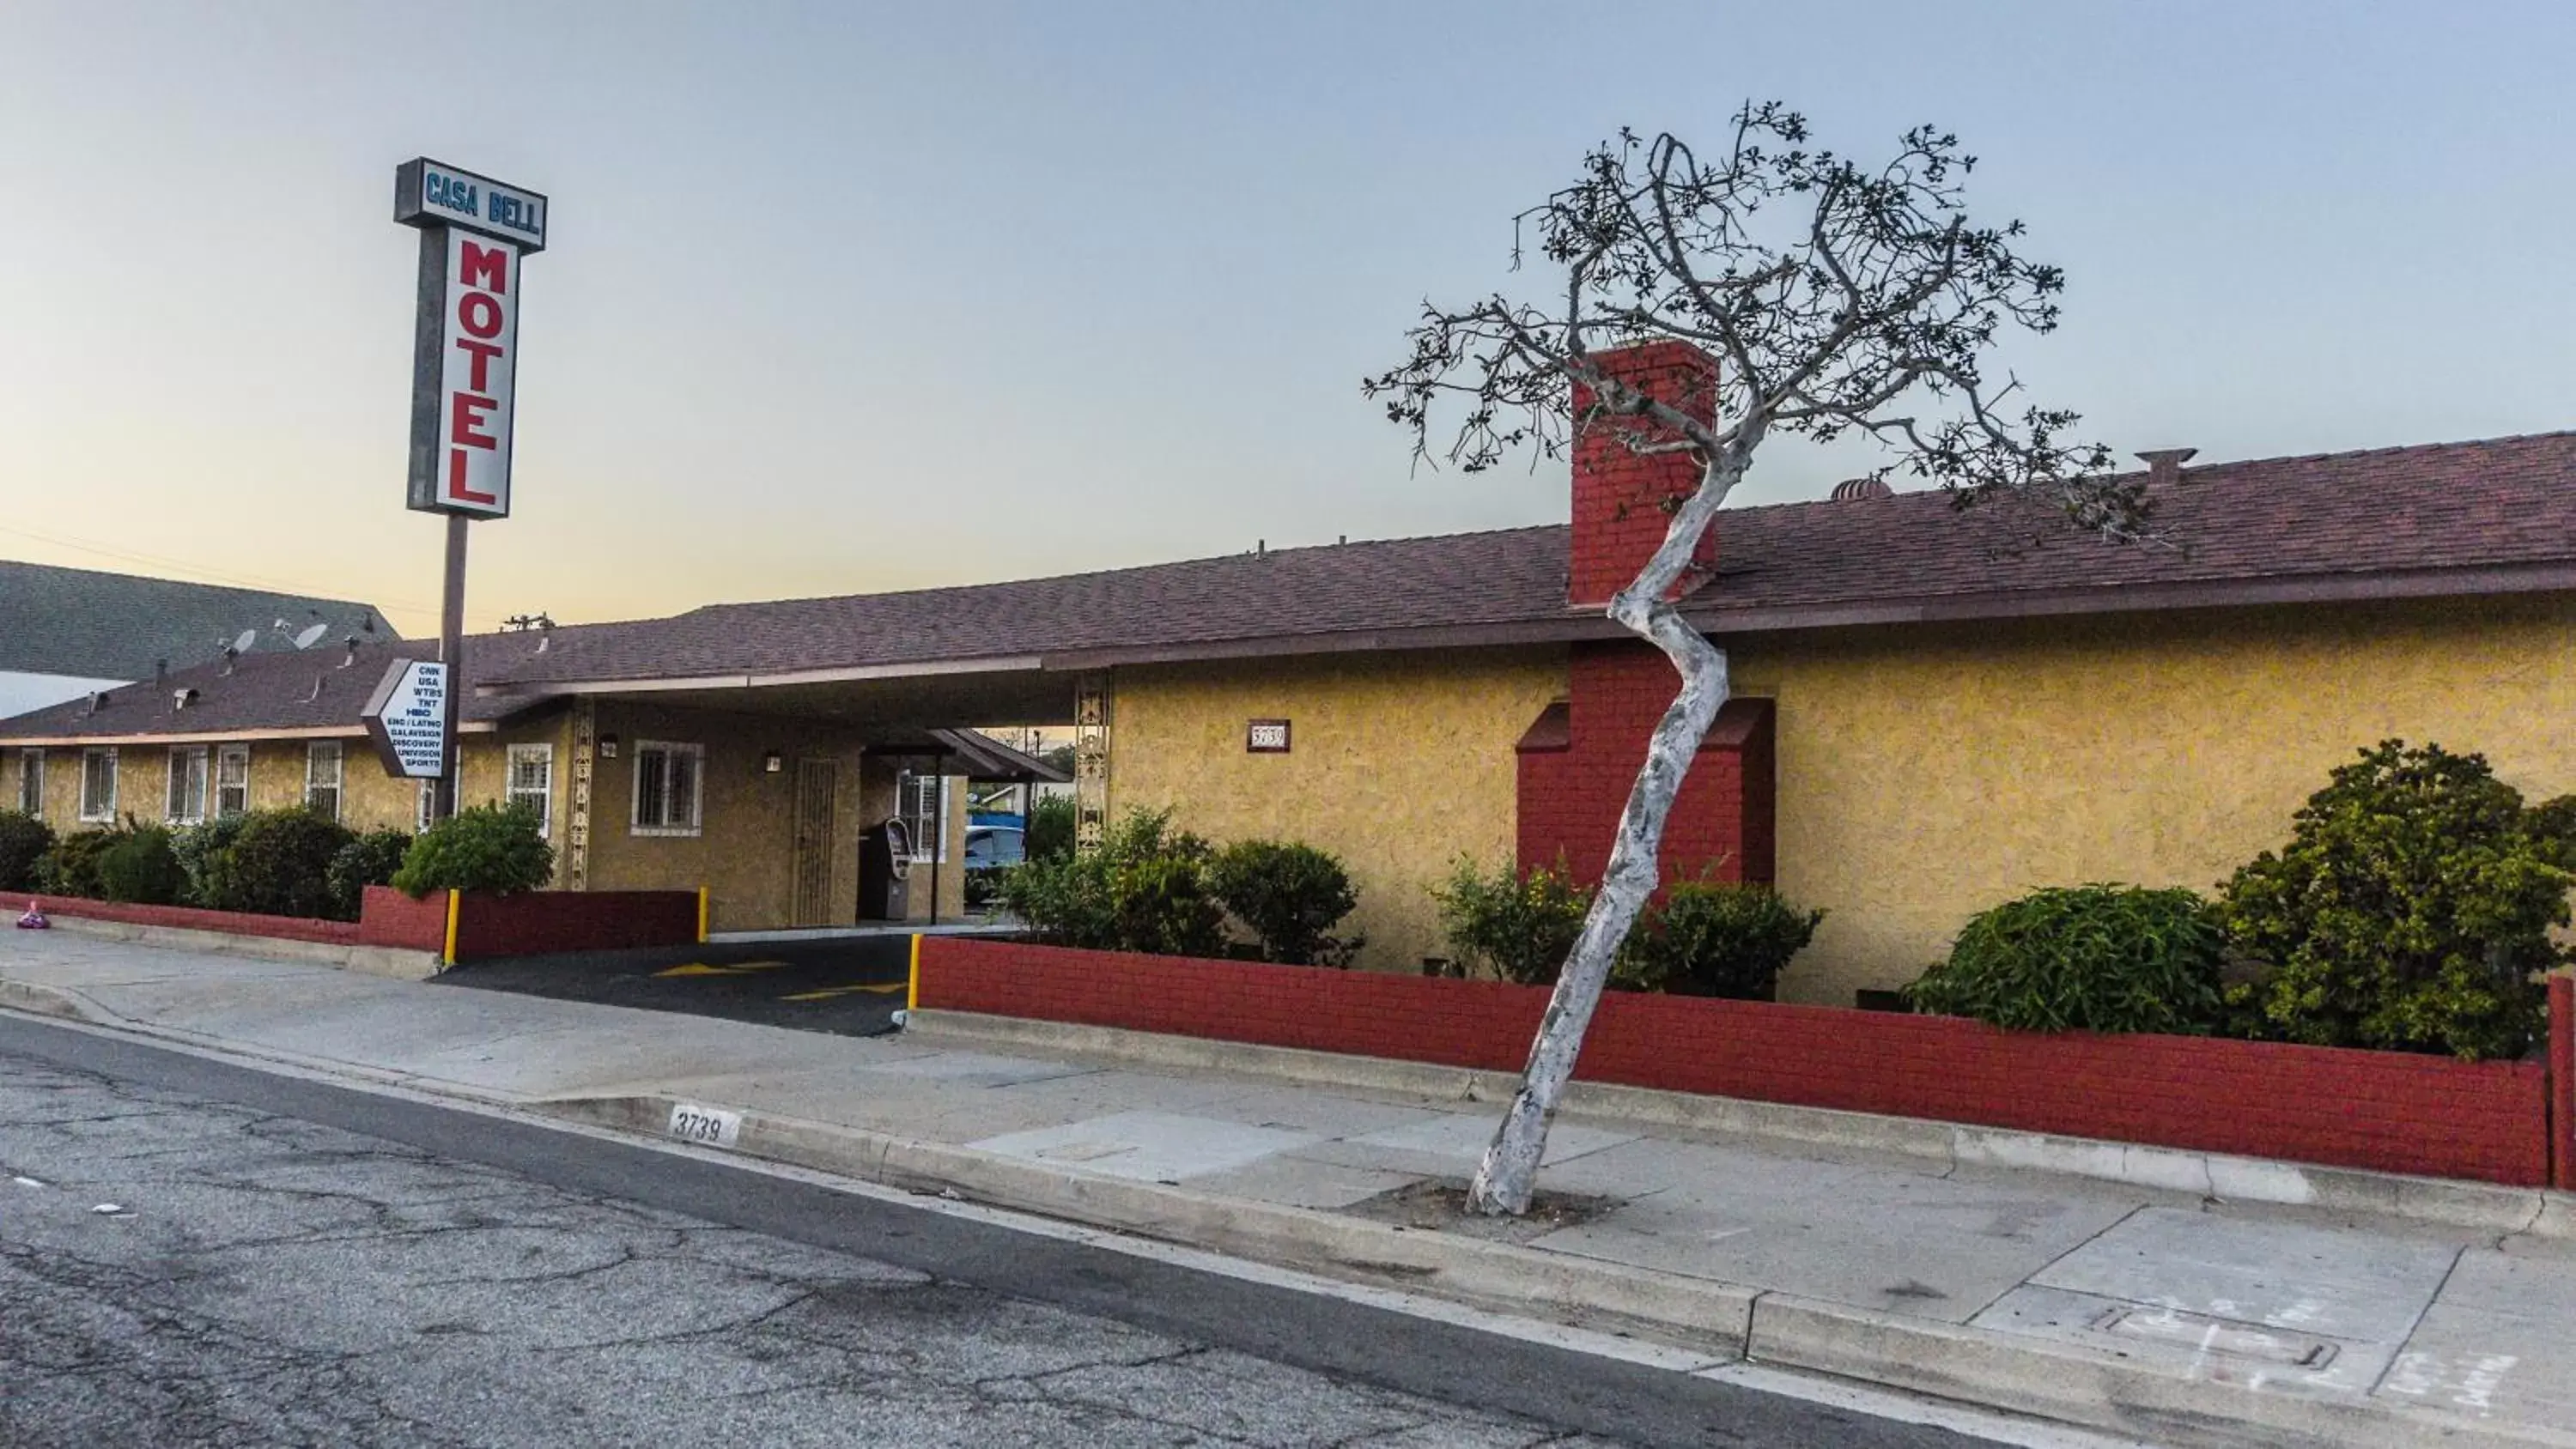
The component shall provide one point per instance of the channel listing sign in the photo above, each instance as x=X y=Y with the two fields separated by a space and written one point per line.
x=407 y=719
x=475 y=234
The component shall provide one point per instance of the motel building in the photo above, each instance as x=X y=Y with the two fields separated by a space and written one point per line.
x=1935 y=709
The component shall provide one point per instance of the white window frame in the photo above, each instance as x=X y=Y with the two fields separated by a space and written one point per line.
x=656 y=756
x=90 y=812
x=316 y=752
x=31 y=782
x=191 y=769
x=935 y=849
x=226 y=755
x=543 y=796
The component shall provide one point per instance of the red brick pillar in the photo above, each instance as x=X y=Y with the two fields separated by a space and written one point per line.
x=2562 y=1080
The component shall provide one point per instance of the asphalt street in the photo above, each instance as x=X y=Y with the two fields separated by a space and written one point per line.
x=195 y=1252
x=849 y=985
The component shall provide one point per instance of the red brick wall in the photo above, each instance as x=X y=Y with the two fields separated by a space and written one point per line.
x=387 y=917
x=188 y=918
x=1570 y=794
x=537 y=923
x=1620 y=498
x=2562 y=1078
x=2379 y=1110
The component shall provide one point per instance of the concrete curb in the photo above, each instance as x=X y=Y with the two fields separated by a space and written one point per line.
x=1700 y=1314
x=2062 y=1382
x=2486 y=1207
x=2071 y=1384
x=386 y=961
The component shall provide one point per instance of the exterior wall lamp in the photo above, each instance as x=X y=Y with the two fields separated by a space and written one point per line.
x=772 y=762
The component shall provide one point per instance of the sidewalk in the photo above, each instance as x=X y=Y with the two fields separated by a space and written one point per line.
x=2173 y=1317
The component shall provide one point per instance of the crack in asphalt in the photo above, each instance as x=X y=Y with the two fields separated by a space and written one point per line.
x=276 y=1281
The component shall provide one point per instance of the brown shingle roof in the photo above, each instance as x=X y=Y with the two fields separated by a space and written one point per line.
x=2502 y=503
x=2417 y=519
x=271 y=691
x=1451 y=581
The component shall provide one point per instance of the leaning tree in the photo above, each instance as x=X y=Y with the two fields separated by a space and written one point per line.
x=1838 y=300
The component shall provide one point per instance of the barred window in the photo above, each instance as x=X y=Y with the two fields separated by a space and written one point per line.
x=531 y=784
x=98 y=783
x=232 y=781
x=322 y=777
x=667 y=787
x=187 y=803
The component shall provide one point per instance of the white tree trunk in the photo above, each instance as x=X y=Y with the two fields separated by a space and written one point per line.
x=1509 y=1172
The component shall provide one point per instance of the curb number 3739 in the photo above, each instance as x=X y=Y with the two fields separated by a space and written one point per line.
x=712 y=1126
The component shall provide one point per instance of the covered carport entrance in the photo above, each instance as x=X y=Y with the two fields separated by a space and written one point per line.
x=769 y=792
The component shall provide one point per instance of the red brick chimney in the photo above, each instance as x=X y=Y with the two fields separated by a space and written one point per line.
x=1622 y=501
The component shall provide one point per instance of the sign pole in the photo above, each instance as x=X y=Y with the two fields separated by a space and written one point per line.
x=451 y=652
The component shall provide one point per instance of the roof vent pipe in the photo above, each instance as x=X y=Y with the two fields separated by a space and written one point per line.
x=1852 y=490
x=160 y=671
x=350 y=646
x=2164 y=465
x=230 y=654
x=317 y=688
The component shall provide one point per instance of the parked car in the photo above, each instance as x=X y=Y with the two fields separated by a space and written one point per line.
x=989 y=850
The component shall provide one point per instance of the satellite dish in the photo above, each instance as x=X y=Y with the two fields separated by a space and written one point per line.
x=310 y=635
x=245 y=639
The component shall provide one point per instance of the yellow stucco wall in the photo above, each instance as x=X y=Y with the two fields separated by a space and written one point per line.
x=1398 y=763
x=1924 y=772
x=744 y=852
x=1927 y=773
x=369 y=798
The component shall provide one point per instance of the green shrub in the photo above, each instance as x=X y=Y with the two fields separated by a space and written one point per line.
x=278 y=863
x=2410 y=910
x=1144 y=889
x=2551 y=827
x=69 y=867
x=24 y=839
x=1514 y=925
x=198 y=847
x=1050 y=834
x=2084 y=958
x=1290 y=896
x=1713 y=938
x=371 y=859
x=138 y=866
x=480 y=848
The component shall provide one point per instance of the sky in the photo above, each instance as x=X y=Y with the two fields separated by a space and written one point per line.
x=844 y=298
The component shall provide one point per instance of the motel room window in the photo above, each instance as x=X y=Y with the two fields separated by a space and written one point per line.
x=98 y=783
x=922 y=800
x=532 y=784
x=322 y=777
x=187 y=786
x=31 y=782
x=232 y=781
x=667 y=786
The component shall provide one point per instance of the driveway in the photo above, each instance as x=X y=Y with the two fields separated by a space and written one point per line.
x=848 y=985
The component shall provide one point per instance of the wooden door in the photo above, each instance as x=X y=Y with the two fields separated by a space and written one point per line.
x=817 y=789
